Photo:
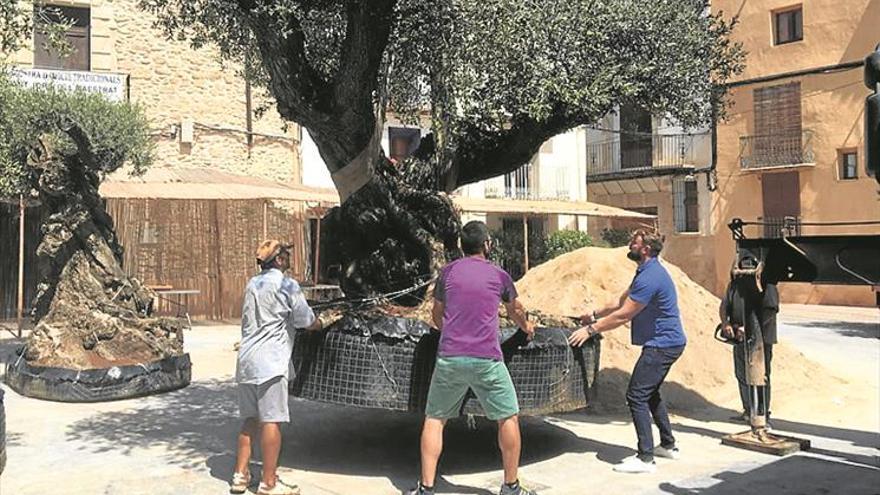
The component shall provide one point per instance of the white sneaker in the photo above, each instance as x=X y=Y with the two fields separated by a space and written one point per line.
x=672 y=453
x=280 y=488
x=239 y=483
x=635 y=465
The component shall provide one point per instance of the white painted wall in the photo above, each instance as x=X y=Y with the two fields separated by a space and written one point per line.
x=561 y=167
x=314 y=172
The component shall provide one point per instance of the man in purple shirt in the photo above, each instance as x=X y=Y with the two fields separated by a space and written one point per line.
x=466 y=299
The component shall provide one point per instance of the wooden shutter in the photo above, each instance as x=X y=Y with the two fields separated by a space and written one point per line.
x=691 y=207
x=778 y=109
x=778 y=133
x=77 y=37
x=782 y=198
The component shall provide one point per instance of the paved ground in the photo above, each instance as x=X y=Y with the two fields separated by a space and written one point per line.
x=182 y=442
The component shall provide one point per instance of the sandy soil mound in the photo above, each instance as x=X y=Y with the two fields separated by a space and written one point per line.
x=593 y=277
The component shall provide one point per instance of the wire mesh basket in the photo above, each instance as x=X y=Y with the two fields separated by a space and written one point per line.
x=386 y=363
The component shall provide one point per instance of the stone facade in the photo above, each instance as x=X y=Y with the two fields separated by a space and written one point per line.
x=181 y=89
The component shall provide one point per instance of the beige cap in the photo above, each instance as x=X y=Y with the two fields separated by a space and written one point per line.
x=269 y=249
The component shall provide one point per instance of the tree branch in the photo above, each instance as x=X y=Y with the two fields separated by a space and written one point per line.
x=366 y=36
x=303 y=95
x=338 y=114
x=486 y=154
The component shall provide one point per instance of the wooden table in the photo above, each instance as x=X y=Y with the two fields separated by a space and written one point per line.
x=180 y=294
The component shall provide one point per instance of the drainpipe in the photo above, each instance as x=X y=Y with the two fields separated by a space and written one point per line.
x=710 y=171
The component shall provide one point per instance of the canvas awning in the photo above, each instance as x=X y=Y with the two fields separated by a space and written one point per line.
x=204 y=183
x=557 y=207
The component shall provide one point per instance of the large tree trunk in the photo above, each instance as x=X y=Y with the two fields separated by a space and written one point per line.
x=88 y=312
x=393 y=233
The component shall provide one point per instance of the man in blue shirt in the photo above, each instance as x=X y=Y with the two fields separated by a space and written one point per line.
x=651 y=304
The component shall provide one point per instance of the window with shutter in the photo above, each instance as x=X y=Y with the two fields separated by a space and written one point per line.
x=782 y=198
x=848 y=164
x=685 y=205
x=76 y=36
x=778 y=138
x=788 y=25
x=636 y=147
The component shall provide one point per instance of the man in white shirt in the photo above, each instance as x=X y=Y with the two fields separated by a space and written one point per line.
x=274 y=306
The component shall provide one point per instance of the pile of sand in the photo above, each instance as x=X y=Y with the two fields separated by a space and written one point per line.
x=594 y=277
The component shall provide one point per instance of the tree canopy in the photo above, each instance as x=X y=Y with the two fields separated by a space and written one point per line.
x=497 y=77
x=19 y=19
x=102 y=135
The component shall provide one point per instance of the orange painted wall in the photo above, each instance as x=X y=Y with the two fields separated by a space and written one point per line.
x=832 y=106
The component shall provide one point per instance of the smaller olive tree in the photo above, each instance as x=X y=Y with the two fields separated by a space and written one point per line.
x=56 y=147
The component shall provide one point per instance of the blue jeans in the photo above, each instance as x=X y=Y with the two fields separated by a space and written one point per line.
x=644 y=401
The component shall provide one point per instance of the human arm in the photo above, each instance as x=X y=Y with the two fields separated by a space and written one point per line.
x=726 y=327
x=437 y=313
x=517 y=312
x=439 y=306
x=626 y=312
x=315 y=326
x=592 y=316
x=301 y=315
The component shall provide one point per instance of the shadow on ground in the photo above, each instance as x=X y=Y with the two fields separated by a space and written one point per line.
x=196 y=428
x=801 y=475
x=845 y=328
x=198 y=425
x=688 y=403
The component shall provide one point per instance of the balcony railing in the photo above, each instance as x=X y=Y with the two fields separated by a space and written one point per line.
x=631 y=152
x=774 y=227
x=532 y=182
x=776 y=150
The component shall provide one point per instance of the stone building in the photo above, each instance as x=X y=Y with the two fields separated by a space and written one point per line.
x=223 y=177
x=197 y=108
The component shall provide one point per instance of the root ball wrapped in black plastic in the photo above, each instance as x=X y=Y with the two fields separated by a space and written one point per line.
x=386 y=362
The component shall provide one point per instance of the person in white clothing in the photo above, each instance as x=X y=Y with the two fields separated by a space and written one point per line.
x=274 y=306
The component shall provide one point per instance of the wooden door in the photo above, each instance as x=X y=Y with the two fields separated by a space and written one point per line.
x=636 y=147
x=781 y=195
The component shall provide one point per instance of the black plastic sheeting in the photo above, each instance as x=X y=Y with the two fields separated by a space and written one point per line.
x=2 y=434
x=386 y=363
x=98 y=385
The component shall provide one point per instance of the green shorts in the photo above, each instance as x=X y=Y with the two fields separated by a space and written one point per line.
x=489 y=379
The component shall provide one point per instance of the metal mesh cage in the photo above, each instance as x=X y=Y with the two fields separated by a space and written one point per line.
x=386 y=363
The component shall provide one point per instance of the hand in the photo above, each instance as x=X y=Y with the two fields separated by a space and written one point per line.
x=579 y=336
x=529 y=330
x=587 y=318
x=727 y=331
x=328 y=319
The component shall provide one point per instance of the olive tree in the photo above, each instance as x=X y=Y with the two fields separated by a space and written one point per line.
x=56 y=147
x=495 y=78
